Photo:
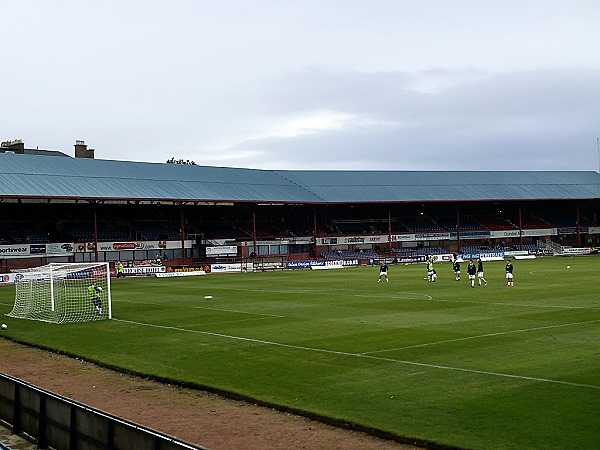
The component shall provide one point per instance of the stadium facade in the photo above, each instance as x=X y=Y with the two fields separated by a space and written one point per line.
x=60 y=209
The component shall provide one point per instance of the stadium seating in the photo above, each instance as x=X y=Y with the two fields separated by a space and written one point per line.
x=530 y=222
x=359 y=227
x=105 y=234
x=154 y=232
x=79 y=233
x=566 y=220
x=25 y=235
x=466 y=223
x=222 y=231
x=350 y=254
x=420 y=251
x=494 y=223
x=422 y=224
x=531 y=248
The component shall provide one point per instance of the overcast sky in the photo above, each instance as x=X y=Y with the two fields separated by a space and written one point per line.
x=307 y=84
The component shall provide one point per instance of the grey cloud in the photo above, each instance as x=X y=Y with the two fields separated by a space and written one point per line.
x=545 y=119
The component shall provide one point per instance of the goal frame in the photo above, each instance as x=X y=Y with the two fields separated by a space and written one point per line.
x=36 y=296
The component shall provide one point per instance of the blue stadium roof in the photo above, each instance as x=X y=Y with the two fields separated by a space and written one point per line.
x=43 y=177
x=404 y=186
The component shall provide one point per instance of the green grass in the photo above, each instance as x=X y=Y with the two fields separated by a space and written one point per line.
x=488 y=367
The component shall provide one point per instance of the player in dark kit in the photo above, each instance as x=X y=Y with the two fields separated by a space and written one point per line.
x=509 y=274
x=456 y=267
x=480 y=277
x=383 y=270
x=471 y=271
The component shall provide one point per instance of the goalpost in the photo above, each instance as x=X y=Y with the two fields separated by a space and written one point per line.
x=63 y=292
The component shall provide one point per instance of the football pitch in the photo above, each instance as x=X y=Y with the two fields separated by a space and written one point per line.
x=489 y=367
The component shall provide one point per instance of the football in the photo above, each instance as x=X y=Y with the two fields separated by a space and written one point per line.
x=99 y=288
x=4 y=326
x=208 y=297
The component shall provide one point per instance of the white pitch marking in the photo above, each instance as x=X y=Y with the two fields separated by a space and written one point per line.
x=499 y=333
x=358 y=355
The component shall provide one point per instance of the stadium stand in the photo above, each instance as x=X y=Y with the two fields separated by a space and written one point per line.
x=359 y=226
x=80 y=233
x=398 y=227
x=531 y=248
x=25 y=235
x=350 y=255
x=495 y=223
x=565 y=220
x=222 y=231
x=420 y=251
x=530 y=222
x=141 y=201
x=154 y=231
x=466 y=223
x=420 y=224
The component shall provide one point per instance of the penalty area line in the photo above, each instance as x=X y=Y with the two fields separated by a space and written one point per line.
x=480 y=336
x=363 y=356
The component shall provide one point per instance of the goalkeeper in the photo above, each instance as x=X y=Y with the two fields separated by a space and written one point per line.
x=94 y=292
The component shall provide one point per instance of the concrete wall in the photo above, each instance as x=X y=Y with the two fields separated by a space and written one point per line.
x=59 y=423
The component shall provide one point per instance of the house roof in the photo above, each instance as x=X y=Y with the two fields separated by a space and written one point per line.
x=43 y=177
x=34 y=151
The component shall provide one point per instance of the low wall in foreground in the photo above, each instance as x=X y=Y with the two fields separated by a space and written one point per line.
x=57 y=422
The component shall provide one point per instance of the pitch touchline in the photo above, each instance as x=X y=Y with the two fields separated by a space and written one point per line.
x=499 y=333
x=359 y=355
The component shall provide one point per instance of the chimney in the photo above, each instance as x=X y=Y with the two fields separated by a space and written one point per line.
x=14 y=146
x=81 y=150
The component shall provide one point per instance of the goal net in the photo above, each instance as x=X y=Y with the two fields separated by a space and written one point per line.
x=63 y=292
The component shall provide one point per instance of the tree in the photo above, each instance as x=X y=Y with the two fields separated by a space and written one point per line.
x=186 y=162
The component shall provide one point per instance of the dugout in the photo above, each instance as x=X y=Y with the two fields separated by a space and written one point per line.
x=264 y=263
